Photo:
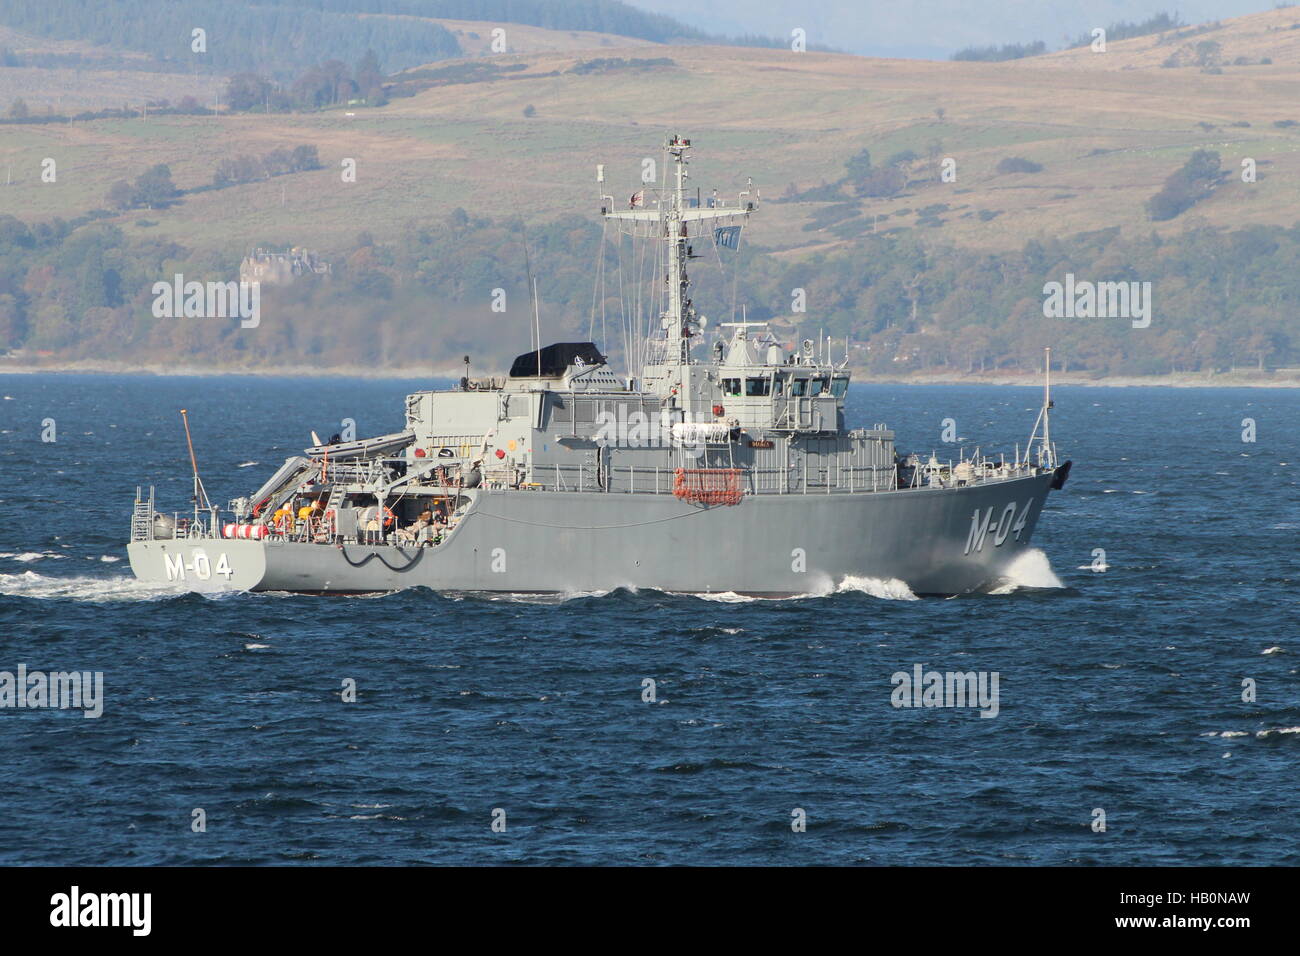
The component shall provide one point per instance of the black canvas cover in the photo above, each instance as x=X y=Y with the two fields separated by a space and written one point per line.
x=555 y=359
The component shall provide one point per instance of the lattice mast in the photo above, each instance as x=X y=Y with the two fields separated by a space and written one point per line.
x=676 y=222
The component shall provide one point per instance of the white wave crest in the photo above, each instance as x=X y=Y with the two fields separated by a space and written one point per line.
x=1029 y=570
x=1277 y=730
x=727 y=597
x=887 y=589
x=890 y=589
x=1259 y=733
x=532 y=597
x=94 y=590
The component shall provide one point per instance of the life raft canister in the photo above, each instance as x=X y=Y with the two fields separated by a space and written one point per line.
x=245 y=531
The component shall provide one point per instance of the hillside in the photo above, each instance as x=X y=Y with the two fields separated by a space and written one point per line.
x=1240 y=42
x=475 y=38
x=1107 y=131
x=1106 y=139
x=71 y=76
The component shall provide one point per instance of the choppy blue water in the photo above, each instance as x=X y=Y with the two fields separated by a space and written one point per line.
x=1119 y=690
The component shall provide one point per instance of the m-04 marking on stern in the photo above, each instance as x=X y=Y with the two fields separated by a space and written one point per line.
x=200 y=566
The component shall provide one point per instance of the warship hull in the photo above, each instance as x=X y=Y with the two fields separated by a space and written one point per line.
x=936 y=541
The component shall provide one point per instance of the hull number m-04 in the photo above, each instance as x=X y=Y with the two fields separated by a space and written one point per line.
x=982 y=525
x=200 y=566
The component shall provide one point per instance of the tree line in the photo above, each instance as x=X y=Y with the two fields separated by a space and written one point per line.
x=995 y=53
x=234 y=170
x=154 y=189
x=1221 y=298
x=1122 y=30
x=326 y=84
x=1187 y=186
x=282 y=38
x=275 y=38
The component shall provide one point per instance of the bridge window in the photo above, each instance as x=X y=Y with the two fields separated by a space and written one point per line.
x=839 y=385
x=798 y=386
x=731 y=386
x=817 y=386
x=758 y=387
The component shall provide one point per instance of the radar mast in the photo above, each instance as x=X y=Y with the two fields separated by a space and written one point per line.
x=676 y=220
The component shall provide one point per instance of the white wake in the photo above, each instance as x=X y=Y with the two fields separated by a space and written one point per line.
x=94 y=590
x=886 y=589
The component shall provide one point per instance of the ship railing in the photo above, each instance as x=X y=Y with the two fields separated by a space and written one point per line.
x=191 y=527
x=829 y=477
x=324 y=530
x=319 y=530
x=185 y=525
x=985 y=472
x=832 y=478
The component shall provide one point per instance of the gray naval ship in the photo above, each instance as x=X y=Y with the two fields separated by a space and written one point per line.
x=729 y=472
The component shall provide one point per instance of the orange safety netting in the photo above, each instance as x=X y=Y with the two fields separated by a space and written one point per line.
x=709 y=486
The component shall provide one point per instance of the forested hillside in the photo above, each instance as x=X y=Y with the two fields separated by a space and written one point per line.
x=282 y=37
x=1222 y=299
x=916 y=208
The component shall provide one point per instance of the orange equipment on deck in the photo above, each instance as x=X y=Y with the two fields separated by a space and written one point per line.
x=708 y=486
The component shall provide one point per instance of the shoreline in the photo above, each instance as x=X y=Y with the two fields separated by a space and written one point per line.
x=1181 y=380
